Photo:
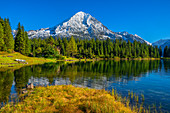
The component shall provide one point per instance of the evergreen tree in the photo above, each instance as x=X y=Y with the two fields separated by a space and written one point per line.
x=8 y=37
x=2 y=44
x=65 y=43
x=56 y=42
x=33 y=47
x=116 y=48
x=2 y=22
x=72 y=47
x=101 y=48
x=156 y=52
x=98 y=44
x=160 y=51
x=166 y=51
x=50 y=40
x=19 y=40
x=129 y=49
x=27 y=44
x=23 y=43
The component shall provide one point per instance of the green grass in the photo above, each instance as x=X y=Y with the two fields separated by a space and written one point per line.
x=69 y=99
x=7 y=60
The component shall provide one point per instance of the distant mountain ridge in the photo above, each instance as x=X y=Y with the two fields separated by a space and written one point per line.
x=83 y=25
x=162 y=43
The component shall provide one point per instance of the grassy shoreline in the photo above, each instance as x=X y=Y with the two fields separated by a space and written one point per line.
x=68 y=98
x=7 y=60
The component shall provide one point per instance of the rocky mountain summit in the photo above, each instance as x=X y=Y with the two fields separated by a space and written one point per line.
x=84 y=26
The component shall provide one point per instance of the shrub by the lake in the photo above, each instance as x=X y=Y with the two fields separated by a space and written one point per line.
x=67 y=98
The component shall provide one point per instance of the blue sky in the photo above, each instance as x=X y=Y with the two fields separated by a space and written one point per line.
x=150 y=19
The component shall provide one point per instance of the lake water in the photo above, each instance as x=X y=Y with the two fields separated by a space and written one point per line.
x=150 y=78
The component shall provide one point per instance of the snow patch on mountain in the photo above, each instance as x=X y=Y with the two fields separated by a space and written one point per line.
x=84 y=26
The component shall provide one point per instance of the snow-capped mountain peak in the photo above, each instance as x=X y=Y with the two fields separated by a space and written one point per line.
x=83 y=25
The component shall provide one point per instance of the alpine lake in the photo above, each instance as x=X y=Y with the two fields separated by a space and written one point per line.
x=148 y=78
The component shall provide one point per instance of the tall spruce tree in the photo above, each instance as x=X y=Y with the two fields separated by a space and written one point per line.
x=23 y=43
x=2 y=22
x=17 y=39
x=50 y=40
x=2 y=44
x=160 y=51
x=72 y=47
x=20 y=40
x=8 y=37
x=65 y=43
x=27 y=44
x=166 y=51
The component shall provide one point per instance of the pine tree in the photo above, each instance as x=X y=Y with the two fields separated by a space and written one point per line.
x=166 y=51
x=50 y=40
x=23 y=43
x=101 y=48
x=160 y=51
x=129 y=49
x=98 y=47
x=27 y=44
x=72 y=47
x=8 y=37
x=105 y=47
x=65 y=43
x=2 y=22
x=157 y=52
x=20 y=40
x=33 y=47
x=2 y=44
x=116 y=48
x=56 y=42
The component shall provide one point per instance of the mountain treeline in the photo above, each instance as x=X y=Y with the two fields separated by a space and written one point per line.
x=166 y=51
x=93 y=48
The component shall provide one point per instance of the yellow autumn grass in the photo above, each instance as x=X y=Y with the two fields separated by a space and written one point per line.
x=68 y=99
